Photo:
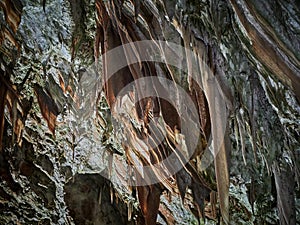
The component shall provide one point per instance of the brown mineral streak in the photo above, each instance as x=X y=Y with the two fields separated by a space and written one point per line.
x=48 y=107
x=268 y=55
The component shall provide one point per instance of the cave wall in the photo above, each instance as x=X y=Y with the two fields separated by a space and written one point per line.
x=54 y=143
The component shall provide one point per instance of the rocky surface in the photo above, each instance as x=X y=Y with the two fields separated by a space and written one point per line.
x=63 y=149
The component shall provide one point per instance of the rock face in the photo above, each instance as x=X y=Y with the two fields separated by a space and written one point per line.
x=194 y=116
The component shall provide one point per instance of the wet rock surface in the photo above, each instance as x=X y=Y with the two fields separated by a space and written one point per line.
x=60 y=142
